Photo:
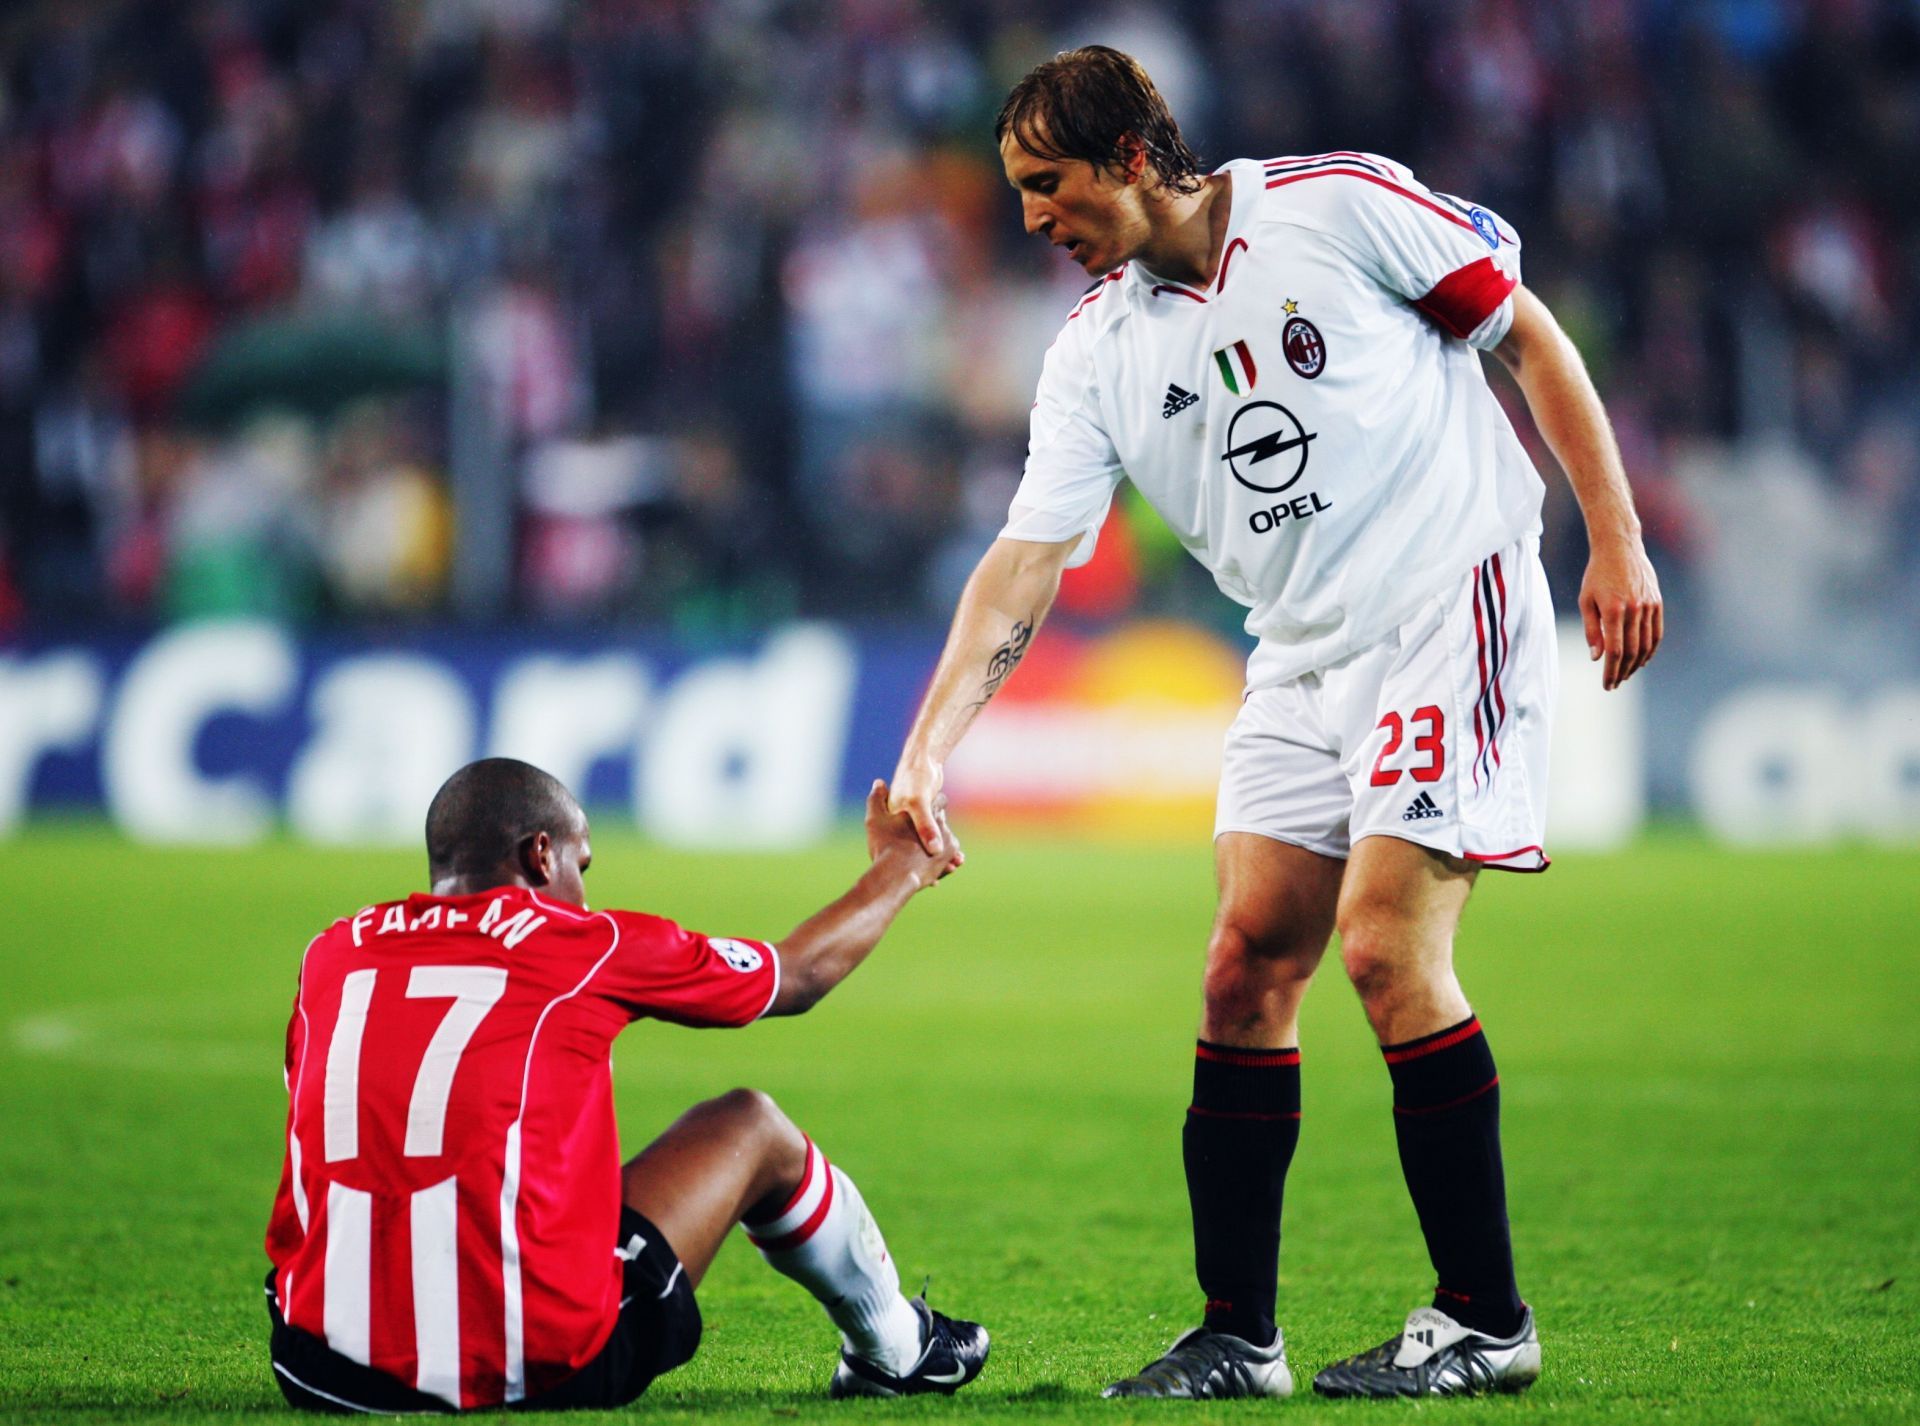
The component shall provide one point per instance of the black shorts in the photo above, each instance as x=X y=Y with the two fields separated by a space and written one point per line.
x=658 y=1330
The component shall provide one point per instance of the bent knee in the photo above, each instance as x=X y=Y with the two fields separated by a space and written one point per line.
x=1268 y=954
x=1370 y=965
x=751 y=1109
x=1245 y=970
x=753 y=1114
x=1386 y=959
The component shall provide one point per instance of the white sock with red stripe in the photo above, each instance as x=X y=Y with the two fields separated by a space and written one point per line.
x=824 y=1238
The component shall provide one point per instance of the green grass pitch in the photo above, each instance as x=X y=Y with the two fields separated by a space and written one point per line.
x=1712 y=1097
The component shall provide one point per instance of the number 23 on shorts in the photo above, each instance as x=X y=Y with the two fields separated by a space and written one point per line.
x=1432 y=743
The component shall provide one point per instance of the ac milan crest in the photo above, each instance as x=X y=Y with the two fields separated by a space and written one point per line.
x=1305 y=352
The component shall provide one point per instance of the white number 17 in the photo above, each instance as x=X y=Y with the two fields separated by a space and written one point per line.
x=474 y=990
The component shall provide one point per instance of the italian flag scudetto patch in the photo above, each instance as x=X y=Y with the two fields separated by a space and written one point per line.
x=1236 y=368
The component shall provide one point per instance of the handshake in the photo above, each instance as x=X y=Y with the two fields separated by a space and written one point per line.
x=915 y=840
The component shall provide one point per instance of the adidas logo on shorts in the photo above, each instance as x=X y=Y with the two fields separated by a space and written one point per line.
x=1421 y=808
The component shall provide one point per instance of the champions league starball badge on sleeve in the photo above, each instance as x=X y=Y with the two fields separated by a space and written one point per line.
x=1484 y=225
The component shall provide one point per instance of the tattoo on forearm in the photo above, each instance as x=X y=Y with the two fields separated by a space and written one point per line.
x=1006 y=659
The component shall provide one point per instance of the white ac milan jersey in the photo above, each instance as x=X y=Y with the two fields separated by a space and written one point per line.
x=1314 y=426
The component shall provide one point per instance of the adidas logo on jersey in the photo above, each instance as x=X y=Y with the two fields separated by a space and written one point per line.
x=1421 y=808
x=1178 y=399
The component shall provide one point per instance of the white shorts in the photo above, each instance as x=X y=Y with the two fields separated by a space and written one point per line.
x=1437 y=734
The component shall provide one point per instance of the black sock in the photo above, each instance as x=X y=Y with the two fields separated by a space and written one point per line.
x=1446 y=1115
x=1239 y=1140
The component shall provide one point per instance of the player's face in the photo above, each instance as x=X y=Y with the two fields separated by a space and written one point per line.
x=1094 y=214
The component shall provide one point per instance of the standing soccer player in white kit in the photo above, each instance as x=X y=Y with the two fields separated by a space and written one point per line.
x=1283 y=356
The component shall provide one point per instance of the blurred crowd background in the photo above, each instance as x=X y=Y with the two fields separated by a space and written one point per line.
x=702 y=313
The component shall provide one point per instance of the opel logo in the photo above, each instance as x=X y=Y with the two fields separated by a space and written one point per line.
x=1264 y=431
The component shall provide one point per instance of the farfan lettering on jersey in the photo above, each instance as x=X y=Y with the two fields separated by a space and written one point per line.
x=508 y=930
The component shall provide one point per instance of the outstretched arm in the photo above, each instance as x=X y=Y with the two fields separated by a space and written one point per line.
x=999 y=611
x=824 y=949
x=1620 y=596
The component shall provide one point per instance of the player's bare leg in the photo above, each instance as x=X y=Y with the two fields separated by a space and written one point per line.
x=1399 y=908
x=1276 y=914
x=712 y=1165
x=1275 y=917
x=739 y=1159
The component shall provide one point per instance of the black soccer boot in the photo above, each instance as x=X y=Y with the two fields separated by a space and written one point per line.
x=1435 y=1356
x=953 y=1355
x=1203 y=1365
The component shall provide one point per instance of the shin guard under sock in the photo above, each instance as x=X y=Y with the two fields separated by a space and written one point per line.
x=1446 y=1116
x=1239 y=1140
x=823 y=1237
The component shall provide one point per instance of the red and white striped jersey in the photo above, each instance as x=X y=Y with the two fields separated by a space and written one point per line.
x=1314 y=425
x=449 y=1207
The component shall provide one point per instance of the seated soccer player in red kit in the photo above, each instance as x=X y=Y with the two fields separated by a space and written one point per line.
x=454 y=1228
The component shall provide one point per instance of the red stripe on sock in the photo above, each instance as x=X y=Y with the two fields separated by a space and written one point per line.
x=1232 y=1114
x=1451 y=1103
x=1414 y=1049
x=806 y=1177
x=1252 y=1059
x=805 y=1231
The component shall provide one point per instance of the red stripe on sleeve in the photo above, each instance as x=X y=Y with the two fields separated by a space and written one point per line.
x=1374 y=178
x=1466 y=297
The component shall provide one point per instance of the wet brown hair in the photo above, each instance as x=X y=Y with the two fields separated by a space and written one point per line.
x=1080 y=104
